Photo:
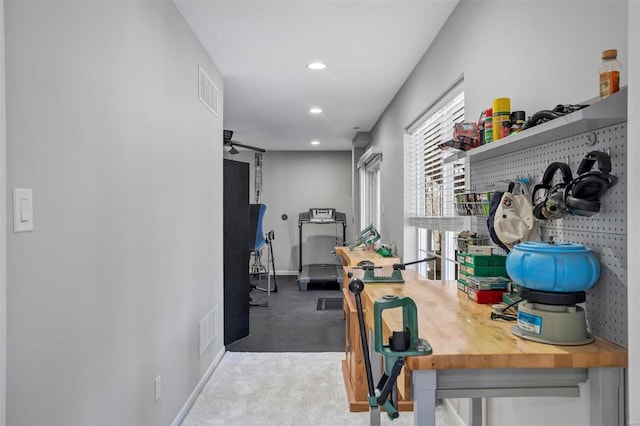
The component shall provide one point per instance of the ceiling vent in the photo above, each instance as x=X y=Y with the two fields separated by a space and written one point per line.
x=207 y=91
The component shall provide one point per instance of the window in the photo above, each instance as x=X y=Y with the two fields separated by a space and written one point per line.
x=430 y=182
x=369 y=166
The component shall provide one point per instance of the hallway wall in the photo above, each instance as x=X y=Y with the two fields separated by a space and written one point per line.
x=633 y=204
x=516 y=50
x=125 y=163
x=3 y=228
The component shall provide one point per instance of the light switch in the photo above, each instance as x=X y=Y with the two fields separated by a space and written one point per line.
x=25 y=210
x=22 y=210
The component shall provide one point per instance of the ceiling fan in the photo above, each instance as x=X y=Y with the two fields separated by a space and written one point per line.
x=227 y=135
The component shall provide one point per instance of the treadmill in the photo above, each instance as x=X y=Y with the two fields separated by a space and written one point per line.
x=319 y=273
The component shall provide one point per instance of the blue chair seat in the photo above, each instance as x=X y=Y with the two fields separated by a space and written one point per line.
x=257 y=240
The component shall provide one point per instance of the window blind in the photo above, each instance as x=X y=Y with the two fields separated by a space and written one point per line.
x=429 y=182
x=369 y=166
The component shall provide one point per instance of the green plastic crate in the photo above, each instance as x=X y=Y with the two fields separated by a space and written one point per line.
x=485 y=271
x=485 y=260
x=488 y=283
x=462 y=273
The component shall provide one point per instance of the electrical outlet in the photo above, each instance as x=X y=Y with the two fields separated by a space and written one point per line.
x=158 y=383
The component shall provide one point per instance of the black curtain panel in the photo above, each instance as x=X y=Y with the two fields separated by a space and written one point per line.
x=236 y=250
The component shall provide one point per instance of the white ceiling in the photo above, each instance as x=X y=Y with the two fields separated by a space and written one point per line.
x=262 y=49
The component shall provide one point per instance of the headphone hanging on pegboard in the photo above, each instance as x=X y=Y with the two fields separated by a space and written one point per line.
x=551 y=205
x=582 y=195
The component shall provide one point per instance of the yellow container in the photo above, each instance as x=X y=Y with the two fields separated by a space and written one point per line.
x=501 y=112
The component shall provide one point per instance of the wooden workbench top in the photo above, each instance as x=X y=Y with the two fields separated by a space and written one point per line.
x=463 y=335
x=353 y=257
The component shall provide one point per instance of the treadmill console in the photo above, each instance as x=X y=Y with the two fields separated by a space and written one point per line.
x=322 y=215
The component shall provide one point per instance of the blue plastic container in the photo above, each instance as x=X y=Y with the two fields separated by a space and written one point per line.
x=555 y=267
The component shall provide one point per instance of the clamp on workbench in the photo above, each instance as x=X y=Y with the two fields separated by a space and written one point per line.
x=395 y=277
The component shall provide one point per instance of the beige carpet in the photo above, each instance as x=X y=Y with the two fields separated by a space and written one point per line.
x=249 y=388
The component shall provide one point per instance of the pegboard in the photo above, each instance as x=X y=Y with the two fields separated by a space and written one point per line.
x=605 y=233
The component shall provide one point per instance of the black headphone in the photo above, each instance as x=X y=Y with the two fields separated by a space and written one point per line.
x=551 y=205
x=582 y=195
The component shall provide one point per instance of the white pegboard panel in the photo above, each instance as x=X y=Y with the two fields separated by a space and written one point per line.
x=606 y=302
x=605 y=233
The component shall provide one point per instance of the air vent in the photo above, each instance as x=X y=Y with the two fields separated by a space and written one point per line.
x=207 y=331
x=207 y=91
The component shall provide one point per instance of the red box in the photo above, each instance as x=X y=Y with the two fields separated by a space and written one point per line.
x=484 y=296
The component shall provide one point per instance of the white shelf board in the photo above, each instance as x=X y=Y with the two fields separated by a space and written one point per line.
x=443 y=223
x=607 y=112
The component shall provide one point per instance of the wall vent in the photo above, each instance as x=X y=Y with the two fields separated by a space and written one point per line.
x=207 y=91
x=207 y=331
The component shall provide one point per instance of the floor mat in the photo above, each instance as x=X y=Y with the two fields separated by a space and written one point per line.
x=325 y=303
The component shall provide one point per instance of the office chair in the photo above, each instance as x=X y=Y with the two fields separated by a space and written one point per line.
x=257 y=242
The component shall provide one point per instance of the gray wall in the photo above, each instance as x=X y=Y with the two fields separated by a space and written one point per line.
x=3 y=228
x=294 y=182
x=514 y=49
x=633 y=200
x=104 y=124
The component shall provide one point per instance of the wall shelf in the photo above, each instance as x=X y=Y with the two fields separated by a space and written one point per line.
x=443 y=223
x=603 y=113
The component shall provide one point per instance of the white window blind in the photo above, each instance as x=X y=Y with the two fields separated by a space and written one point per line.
x=429 y=182
x=369 y=166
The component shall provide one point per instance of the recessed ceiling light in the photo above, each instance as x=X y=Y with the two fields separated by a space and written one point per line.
x=316 y=66
x=315 y=110
x=315 y=142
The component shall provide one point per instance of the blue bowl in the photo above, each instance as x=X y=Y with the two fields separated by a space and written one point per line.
x=555 y=267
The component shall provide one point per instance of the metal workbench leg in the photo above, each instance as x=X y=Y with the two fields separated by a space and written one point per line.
x=423 y=392
x=607 y=395
x=475 y=411
x=375 y=357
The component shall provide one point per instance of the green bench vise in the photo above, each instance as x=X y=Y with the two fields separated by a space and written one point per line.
x=401 y=345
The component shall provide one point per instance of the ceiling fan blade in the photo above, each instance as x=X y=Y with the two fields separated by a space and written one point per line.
x=227 y=141
x=241 y=145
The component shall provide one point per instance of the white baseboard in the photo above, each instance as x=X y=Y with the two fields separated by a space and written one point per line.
x=196 y=391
